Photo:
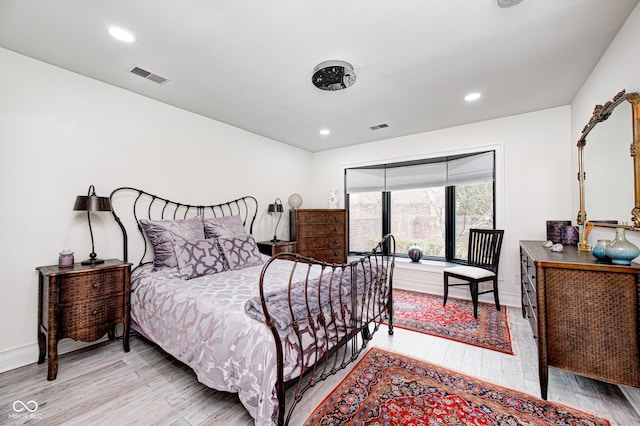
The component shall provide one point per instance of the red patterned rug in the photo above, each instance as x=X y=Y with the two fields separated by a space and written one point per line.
x=386 y=388
x=424 y=313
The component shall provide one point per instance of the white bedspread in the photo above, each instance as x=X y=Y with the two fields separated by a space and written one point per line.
x=202 y=322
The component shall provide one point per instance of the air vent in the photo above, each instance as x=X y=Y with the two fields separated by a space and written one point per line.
x=148 y=75
x=379 y=126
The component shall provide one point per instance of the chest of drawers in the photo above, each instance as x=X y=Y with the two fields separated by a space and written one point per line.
x=584 y=314
x=83 y=302
x=320 y=233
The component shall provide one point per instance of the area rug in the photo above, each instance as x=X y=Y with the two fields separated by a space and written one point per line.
x=424 y=313
x=386 y=388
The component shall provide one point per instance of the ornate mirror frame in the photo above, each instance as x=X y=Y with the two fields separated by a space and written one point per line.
x=601 y=113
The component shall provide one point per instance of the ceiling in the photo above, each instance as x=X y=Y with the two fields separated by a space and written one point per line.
x=249 y=63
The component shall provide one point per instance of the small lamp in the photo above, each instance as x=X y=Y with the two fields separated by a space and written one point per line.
x=276 y=207
x=92 y=203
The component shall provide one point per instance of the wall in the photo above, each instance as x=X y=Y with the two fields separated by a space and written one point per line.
x=534 y=181
x=616 y=70
x=61 y=132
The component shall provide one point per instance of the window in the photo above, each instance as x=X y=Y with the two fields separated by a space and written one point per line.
x=431 y=203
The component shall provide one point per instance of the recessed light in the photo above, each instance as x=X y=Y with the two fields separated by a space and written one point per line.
x=472 y=97
x=325 y=132
x=122 y=34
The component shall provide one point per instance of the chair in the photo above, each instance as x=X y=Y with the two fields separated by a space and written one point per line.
x=482 y=265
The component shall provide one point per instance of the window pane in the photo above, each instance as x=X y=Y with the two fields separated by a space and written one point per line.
x=417 y=217
x=365 y=221
x=474 y=209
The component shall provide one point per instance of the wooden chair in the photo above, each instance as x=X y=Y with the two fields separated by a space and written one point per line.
x=482 y=265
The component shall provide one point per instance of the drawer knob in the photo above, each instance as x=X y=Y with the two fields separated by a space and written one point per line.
x=95 y=285
x=94 y=312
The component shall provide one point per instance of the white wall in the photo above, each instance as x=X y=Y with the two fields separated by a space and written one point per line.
x=534 y=183
x=61 y=132
x=616 y=70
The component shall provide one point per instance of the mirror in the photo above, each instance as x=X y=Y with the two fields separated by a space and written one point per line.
x=608 y=170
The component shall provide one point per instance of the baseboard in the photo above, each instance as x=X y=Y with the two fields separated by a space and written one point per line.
x=25 y=355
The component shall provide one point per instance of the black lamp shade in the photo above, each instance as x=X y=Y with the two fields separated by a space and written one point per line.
x=275 y=208
x=92 y=203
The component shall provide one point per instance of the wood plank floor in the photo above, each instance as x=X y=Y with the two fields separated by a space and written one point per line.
x=105 y=385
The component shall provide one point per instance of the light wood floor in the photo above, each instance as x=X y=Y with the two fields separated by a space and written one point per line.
x=105 y=385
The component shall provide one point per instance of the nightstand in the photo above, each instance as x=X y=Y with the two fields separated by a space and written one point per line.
x=82 y=302
x=271 y=248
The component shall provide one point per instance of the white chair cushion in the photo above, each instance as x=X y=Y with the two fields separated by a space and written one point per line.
x=470 y=271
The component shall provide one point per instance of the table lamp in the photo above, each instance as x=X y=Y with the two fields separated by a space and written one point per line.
x=92 y=203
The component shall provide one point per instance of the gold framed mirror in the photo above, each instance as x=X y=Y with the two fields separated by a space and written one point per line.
x=614 y=190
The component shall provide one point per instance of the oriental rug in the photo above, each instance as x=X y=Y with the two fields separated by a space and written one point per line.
x=386 y=388
x=424 y=313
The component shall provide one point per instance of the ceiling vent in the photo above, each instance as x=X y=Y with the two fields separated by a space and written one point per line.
x=333 y=75
x=379 y=126
x=147 y=75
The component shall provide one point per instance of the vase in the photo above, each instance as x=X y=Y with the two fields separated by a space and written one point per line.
x=599 y=250
x=620 y=250
x=415 y=253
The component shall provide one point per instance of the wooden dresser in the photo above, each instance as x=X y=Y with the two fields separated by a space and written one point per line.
x=584 y=314
x=83 y=302
x=320 y=233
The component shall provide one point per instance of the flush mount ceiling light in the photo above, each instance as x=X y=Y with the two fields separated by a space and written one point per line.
x=121 y=34
x=333 y=75
x=325 y=132
x=508 y=3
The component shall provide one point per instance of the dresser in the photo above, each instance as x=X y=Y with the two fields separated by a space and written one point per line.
x=584 y=314
x=320 y=233
x=82 y=302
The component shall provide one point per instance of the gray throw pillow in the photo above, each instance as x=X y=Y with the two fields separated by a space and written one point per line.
x=198 y=258
x=163 y=233
x=223 y=226
x=240 y=252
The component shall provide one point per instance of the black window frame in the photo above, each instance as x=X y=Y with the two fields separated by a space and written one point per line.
x=450 y=211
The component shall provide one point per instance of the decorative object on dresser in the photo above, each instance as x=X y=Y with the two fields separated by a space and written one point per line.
x=271 y=248
x=92 y=203
x=320 y=233
x=483 y=259
x=554 y=229
x=584 y=314
x=621 y=251
x=333 y=199
x=82 y=302
x=276 y=208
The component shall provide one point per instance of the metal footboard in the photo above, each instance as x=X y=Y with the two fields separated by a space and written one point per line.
x=329 y=316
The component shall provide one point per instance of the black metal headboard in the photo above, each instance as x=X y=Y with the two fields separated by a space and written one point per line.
x=144 y=205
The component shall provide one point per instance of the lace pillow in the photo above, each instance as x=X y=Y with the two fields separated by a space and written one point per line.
x=164 y=233
x=224 y=226
x=198 y=258
x=240 y=251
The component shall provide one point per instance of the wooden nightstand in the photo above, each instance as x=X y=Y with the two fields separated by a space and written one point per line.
x=271 y=248
x=82 y=302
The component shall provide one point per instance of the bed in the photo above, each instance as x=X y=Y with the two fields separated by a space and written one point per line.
x=266 y=328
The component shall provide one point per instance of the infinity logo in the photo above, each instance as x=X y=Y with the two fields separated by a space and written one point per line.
x=19 y=406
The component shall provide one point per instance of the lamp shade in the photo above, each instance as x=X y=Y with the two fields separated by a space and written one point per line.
x=92 y=203
x=275 y=208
